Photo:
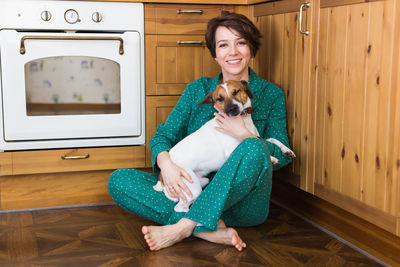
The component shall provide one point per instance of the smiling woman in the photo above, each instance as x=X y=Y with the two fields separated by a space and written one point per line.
x=238 y=194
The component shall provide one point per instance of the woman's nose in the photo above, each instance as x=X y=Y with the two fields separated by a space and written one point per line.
x=233 y=50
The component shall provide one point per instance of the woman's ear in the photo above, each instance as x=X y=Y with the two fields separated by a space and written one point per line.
x=247 y=88
x=208 y=99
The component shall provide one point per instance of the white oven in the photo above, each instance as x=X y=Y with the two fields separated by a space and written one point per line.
x=72 y=74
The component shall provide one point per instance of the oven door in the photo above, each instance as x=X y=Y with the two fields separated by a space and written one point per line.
x=71 y=85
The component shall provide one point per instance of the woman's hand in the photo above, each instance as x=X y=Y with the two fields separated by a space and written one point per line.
x=171 y=175
x=233 y=126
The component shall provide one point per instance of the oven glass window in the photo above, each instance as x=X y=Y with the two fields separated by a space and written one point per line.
x=72 y=85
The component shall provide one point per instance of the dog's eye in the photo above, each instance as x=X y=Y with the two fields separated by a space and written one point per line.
x=236 y=92
x=220 y=99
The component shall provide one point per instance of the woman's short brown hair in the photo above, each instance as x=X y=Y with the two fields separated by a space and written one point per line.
x=237 y=22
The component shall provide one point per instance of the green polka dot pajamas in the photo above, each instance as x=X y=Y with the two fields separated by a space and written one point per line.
x=239 y=192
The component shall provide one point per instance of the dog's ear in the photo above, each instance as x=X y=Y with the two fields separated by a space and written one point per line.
x=247 y=88
x=208 y=99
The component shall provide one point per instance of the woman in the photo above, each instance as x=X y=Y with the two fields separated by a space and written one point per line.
x=238 y=194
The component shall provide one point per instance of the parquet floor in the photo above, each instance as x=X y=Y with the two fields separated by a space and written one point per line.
x=109 y=236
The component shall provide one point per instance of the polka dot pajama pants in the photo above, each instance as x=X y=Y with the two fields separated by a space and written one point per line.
x=238 y=194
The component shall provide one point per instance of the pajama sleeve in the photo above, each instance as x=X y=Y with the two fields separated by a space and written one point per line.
x=174 y=129
x=276 y=128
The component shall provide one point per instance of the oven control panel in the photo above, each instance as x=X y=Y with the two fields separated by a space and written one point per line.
x=71 y=15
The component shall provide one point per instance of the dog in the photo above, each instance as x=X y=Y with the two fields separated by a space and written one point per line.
x=207 y=149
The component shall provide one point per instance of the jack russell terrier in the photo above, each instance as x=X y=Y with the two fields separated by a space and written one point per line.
x=207 y=149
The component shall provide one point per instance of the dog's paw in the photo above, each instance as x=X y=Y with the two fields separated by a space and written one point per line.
x=289 y=153
x=158 y=187
x=275 y=161
x=181 y=207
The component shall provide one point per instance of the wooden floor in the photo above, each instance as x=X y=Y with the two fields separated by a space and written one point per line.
x=109 y=236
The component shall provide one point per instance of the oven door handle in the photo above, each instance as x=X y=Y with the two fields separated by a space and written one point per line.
x=22 y=49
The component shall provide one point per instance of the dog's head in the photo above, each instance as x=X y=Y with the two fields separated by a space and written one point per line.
x=231 y=97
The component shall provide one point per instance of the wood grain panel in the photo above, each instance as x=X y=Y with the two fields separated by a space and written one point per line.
x=287 y=54
x=333 y=136
x=289 y=71
x=5 y=163
x=358 y=208
x=157 y=111
x=106 y=158
x=380 y=48
x=394 y=137
x=149 y=19
x=277 y=7
x=50 y=190
x=276 y=60
x=189 y=70
x=311 y=62
x=320 y=88
x=357 y=49
x=333 y=3
x=171 y=66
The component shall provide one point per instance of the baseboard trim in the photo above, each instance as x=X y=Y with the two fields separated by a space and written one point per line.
x=362 y=234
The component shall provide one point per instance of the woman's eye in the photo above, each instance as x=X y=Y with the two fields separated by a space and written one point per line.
x=242 y=43
x=222 y=45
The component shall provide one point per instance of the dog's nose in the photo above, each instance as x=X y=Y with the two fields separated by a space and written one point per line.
x=232 y=110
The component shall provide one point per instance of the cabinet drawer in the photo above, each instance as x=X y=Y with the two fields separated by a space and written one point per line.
x=82 y=159
x=175 y=60
x=180 y=19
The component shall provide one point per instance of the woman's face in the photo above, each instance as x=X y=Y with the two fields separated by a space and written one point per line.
x=232 y=54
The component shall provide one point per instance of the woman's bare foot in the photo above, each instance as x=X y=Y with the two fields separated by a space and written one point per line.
x=223 y=235
x=158 y=237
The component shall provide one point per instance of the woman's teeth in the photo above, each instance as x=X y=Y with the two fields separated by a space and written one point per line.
x=233 y=61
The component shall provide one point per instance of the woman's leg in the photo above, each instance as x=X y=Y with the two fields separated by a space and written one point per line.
x=239 y=193
x=133 y=191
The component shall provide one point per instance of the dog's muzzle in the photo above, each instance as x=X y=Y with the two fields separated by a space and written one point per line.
x=232 y=110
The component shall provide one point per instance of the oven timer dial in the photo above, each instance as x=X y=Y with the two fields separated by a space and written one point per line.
x=45 y=15
x=97 y=17
x=71 y=16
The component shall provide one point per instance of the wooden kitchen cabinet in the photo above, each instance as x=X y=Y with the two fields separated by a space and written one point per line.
x=357 y=141
x=41 y=178
x=342 y=90
x=284 y=59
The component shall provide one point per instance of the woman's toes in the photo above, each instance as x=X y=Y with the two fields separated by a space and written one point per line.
x=145 y=230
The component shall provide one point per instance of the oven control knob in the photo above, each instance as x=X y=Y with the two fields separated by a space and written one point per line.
x=45 y=15
x=97 y=17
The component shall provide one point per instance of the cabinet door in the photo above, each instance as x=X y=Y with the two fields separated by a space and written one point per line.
x=172 y=61
x=157 y=111
x=357 y=144
x=284 y=59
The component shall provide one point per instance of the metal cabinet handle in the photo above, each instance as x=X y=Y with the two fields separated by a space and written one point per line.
x=307 y=5
x=75 y=157
x=180 y=11
x=179 y=42
x=22 y=49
